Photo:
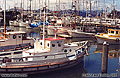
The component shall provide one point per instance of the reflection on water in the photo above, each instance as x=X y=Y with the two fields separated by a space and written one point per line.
x=92 y=62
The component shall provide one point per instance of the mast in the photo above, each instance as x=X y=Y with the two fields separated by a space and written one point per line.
x=4 y=18
x=113 y=9
x=75 y=15
x=44 y=29
x=30 y=7
x=48 y=6
x=98 y=7
x=86 y=9
x=21 y=4
x=59 y=5
x=83 y=8
x=40 y=9
x=90 y=11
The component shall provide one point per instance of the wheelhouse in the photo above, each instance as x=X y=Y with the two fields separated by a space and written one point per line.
x=115 y=32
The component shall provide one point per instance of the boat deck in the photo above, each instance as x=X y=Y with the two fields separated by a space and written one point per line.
x=35 y=63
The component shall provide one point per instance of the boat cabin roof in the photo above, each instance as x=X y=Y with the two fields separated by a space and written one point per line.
x=114 y=29
x=15 y=32
x=54 y=39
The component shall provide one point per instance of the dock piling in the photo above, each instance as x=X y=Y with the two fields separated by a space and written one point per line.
x=105 y=57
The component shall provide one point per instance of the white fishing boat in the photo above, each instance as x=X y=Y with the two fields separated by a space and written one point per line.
x=49 y=54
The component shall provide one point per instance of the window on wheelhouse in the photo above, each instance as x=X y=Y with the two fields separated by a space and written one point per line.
x=112 y=32
x=24 y=36
x=116 y=32
x=109 y=31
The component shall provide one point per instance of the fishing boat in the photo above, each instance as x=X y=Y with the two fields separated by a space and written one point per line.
x=48 y=54
x=52 y=56
x=60 y=28
x=112 y=36
x=60 y=25
x=79 y=33
x=12 y=40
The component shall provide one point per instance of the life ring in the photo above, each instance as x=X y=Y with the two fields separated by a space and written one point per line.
x=117 y=40
x=14 y=36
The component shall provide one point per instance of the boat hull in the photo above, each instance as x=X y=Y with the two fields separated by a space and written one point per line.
x=46 y=62
x=110 y=41
x=80 y=34
x=43 y=68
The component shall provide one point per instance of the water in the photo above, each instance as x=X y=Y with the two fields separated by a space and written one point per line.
x=92 y=63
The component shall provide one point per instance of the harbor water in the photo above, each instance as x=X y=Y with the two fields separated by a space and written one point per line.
x=91 y=65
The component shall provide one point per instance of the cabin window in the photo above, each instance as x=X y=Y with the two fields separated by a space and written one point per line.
x=59 y=45
x=78 y=28
x=112 y=32
x=53 y=45
x=109 y=31
x=19 y=36
x=45 y=56
x=29 y=53
x=14 y=36
x=70 y=50
x=48 y=44
x=65 y=50
x=40 y=43
x=24 y=36
x=116 y=32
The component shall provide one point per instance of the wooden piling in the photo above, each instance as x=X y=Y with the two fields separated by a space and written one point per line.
x=105 y=57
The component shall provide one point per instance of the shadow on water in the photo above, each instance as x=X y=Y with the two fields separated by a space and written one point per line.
x=72 y=72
